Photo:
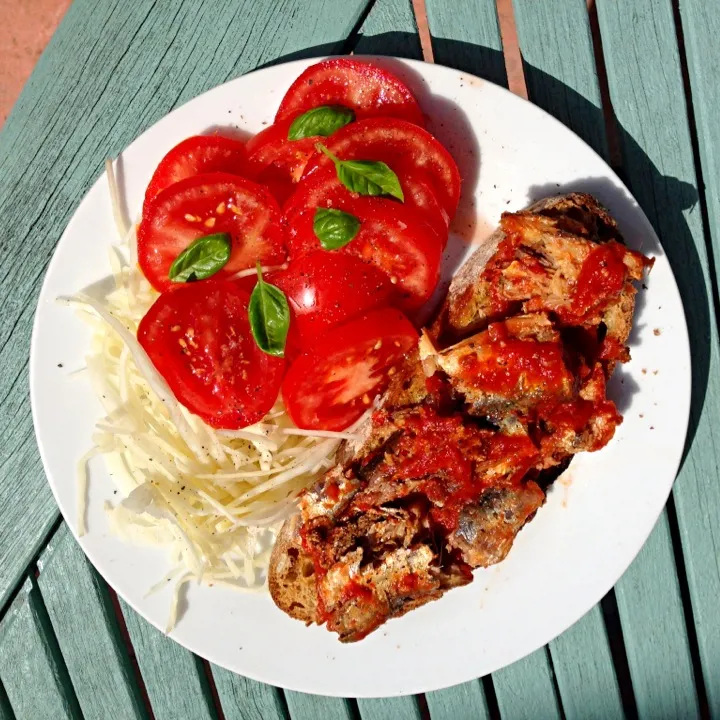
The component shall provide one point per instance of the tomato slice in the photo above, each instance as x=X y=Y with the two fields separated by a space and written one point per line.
x=207 y=204
x=198 y=337
x=277 y=162
x=196 y=155
x=391 y=237
x=402 y=146
x=326 y=289
x=330 y=386
x=323 y=189
x=366 y=89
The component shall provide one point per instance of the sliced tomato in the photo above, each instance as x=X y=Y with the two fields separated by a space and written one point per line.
x=403 y=146
x=330 y=386
x=277 y=162
x=391 y=237
x=366 y=89
x=196 y=155
x=207 y=204
x=326 y=289
x=323 y=189
x=198 y=338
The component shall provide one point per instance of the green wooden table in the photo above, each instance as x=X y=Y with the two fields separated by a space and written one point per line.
x=637 y=79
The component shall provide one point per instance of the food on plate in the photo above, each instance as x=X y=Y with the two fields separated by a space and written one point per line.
x=473 y=427
x=331 y=385
x=197 y=155
x=324 y=291
x=208 y=205
x=258 y=356
x=198 y=338
x=364 y=88
x=257 y=314
x=400 y=145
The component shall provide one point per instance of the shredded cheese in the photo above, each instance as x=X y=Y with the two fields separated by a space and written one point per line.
x=214 y=499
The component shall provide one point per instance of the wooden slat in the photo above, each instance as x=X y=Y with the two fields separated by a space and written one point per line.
x=174 y=678
x=698 y=505
x=646 y=88
x=81 y=613
x=132 y=62
x=559 y=63
x=526 y=690
x=317 y=707
x=459 y=702
x=6 y=712
x=389 y=29
x=245 y=699
x=31 y=668
x=654 y=631
x=395 y=708
x=583 y=666
x=466 y=36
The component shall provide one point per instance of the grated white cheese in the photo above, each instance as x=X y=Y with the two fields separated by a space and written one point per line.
x=213 y=499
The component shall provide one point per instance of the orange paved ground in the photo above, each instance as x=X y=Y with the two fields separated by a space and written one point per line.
x=27 y=25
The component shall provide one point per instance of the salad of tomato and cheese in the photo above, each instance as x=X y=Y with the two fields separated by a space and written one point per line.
x=268 y=291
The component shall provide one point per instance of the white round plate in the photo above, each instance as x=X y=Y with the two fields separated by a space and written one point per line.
x=597 y=516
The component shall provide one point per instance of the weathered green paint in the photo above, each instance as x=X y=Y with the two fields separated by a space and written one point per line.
x=698 y=505
x=82 y=617
x=317 y=707
x=466 y=36
x=559 y=65
x=389 y=29
x=646 y=87
x=460 y=702
x=526 y=690
x=397 y=708
x=245 y=699
x=31 y=668
x=174 y=678
x=585 y=673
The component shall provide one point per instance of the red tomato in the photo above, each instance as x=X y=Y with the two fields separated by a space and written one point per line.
x=391 y=237
x=402 y=146
x=276 y=161
x=323 y=189
x=203 y=205
x=364 y=88
x=325 y=289
x=330 y=386
x=198 y=337
x=196 y=155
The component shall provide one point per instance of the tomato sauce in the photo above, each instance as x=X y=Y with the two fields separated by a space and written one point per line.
x=447 y=451
x=506 y=365
x=602 y=276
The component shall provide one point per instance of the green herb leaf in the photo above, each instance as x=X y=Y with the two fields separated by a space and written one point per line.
x=323 y=120
x=269 y=317
x=366 y=177
x=202 y=258
x=334 y=228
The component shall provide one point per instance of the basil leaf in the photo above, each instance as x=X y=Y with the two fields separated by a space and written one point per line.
x=366 y=177
x=323 y=120
x=202 y=258
x=269 y=316
x=334 y=228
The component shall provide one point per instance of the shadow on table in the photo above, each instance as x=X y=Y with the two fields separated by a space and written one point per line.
x=663 y=198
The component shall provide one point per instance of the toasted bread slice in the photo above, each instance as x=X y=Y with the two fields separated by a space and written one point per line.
x=291 y=575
